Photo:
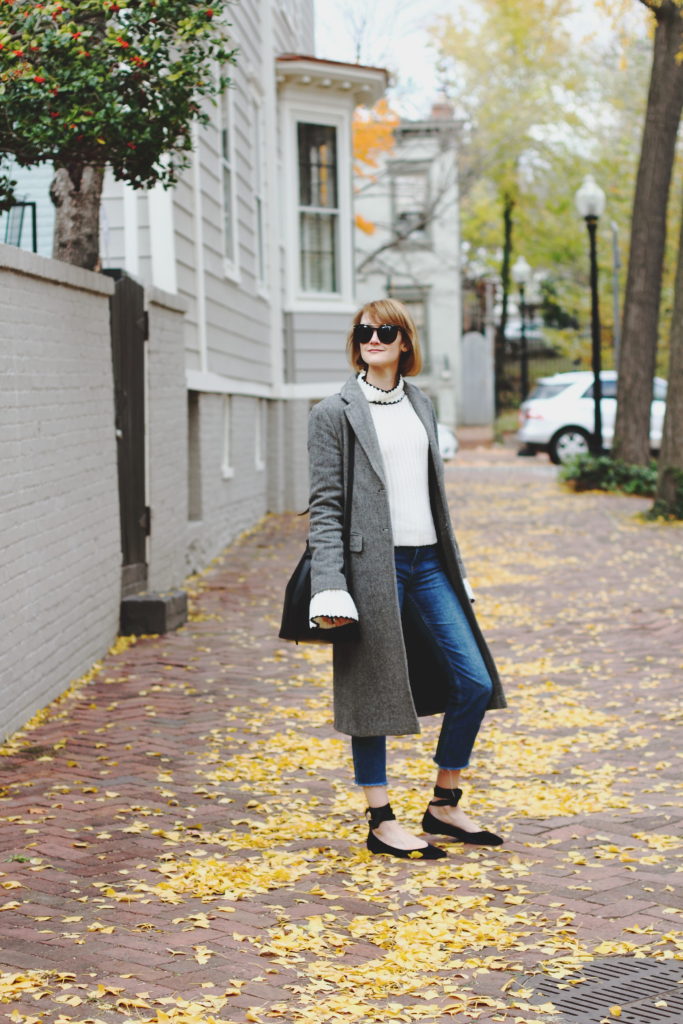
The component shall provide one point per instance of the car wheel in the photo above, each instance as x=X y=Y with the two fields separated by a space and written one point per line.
x=567 y=443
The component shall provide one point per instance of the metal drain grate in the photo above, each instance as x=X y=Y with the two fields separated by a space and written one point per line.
x=633 y=984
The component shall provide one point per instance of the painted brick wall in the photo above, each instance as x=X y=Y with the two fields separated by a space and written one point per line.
x=167 y=432
x=229 y=496
x=60 y=552
x=288 y=456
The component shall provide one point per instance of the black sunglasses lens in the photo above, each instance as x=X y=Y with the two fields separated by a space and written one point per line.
x=362 y=333
x=387 y=333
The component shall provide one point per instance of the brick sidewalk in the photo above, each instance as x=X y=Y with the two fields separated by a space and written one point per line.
x=182 y=842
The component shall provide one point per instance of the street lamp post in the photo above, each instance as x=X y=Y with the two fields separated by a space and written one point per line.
x=521 y=274
x=590 y=204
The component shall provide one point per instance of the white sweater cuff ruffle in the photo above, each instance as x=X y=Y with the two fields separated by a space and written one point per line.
x=331 y=604
x=468 y=590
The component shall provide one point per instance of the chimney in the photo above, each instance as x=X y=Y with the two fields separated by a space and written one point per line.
x=442 y=110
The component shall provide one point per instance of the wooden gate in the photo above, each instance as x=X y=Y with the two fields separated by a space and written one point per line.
x=128 y=335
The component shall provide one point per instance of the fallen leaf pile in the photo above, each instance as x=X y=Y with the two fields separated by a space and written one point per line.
x=183 y=843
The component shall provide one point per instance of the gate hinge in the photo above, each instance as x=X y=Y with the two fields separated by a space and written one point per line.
x=146 y=520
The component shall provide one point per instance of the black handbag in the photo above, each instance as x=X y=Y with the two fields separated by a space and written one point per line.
x=295 y=621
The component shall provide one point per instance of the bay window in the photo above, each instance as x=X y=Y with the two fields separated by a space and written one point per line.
x=318 y=208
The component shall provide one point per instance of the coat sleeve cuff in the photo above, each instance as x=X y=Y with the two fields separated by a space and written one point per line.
x=337 y=604
x=468 y=590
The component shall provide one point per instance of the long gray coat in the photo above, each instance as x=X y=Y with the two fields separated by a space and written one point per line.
x=372 y=695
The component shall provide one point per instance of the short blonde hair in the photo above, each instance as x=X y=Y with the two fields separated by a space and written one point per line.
x=388 y=311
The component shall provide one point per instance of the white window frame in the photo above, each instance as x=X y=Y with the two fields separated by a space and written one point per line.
x=308 y=109
x=226 y=112
x=416 y=169
x=259 y=195
x=260 y=434
x=227 y=469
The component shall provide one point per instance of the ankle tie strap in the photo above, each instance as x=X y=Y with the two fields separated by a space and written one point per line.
x=447 y=797
x=376 y=815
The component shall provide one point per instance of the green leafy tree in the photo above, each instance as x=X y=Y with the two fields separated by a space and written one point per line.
x=542 y=108
x=86 y=84
x=508 y=69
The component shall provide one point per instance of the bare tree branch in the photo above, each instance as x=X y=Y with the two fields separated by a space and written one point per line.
x=433 y=208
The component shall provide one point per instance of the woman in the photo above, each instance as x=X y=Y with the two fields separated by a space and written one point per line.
x=400 y=547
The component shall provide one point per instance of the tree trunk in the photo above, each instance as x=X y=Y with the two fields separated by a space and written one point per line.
x=648 y=236
x=76 y=194
x=669 y=496
x=500 y=341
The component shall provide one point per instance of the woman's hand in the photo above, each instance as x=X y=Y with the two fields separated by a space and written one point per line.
x=331 y=621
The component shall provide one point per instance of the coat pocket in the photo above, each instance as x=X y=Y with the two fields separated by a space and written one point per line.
x=355 y=542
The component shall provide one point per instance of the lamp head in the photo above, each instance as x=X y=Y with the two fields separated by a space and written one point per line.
x=521 y=272
x=590 y=198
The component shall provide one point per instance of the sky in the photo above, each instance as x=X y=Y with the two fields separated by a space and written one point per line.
x=397 y=38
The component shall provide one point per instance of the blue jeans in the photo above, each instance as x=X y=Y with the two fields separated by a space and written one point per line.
x=420 y=573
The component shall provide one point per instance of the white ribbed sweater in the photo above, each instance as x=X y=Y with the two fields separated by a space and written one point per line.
x=405 y=453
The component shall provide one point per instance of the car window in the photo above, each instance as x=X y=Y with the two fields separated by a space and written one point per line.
x=547 y=390
x=659 y=390
x=609 y=390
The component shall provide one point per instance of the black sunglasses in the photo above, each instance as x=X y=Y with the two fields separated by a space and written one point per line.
x=386 y=333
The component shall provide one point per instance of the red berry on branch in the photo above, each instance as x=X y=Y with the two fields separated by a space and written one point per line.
x=39 y=79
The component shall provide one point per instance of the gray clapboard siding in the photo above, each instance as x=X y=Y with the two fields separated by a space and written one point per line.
x=33 y=185
x=318 y=344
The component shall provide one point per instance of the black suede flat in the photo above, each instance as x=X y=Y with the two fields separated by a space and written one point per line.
x=376 y=815
x=433 y=826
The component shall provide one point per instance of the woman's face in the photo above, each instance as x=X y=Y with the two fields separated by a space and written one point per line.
x=384 y=358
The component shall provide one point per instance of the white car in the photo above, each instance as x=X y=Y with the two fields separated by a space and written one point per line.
x=448 y=442
x=558 y=416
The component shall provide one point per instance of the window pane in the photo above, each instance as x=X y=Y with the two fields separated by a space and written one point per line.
x=547 y=390
x=608 y=389
x=318 y=238
x=410 y=205
x=317 y=165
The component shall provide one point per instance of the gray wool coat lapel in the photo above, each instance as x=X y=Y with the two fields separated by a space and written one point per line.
x=359 y=416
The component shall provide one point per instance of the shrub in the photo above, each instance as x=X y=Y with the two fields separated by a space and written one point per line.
x=602 y=473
